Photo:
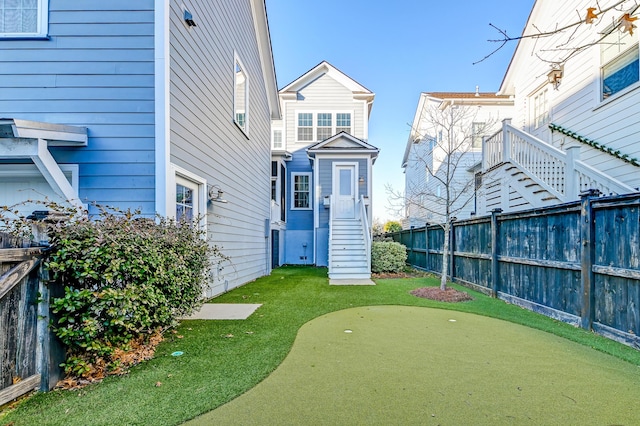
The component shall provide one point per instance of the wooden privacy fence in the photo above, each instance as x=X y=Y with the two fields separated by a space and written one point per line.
x=29 y=354
x=577 y=262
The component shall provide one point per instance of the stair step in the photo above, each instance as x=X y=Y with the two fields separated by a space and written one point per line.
x=350 y=270
x=349 y=259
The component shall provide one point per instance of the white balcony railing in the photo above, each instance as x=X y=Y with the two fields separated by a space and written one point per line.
x=561 y=173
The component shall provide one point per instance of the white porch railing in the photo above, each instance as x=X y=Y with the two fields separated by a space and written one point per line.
x=561 y=173
x=366 y=230
x=331 y=209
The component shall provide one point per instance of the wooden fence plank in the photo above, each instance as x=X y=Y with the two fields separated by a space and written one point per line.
x=574 y=261
x=14 y=391
x=14 y=276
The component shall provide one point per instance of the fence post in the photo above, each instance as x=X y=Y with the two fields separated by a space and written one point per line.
x=412 y=258
x=452 y=248
x=495 y=274
x=426 y=246
x=587 y=277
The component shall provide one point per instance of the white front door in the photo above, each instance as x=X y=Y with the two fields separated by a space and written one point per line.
x=344 y=190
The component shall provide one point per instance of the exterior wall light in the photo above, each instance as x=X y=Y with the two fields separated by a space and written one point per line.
x=188 y=18
x=216 y=194
x=555 y=76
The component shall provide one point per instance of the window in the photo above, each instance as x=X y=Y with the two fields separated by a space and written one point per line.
x=319 y=126
x=305 y=126
x=477 y=130
x=324 y=130
x=619 y=59
x=190 y=198
x=540 y=109
x=240 y=96
x=301 y=191
x=184 y=202
x=277 y=139
x=24 y=18
x=343 y=122
x=274 y=189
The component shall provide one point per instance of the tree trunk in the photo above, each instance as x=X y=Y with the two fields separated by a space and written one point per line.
x=445 y=257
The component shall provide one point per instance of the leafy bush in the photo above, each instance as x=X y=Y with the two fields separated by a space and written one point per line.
x=387 y=256
x=125 y=277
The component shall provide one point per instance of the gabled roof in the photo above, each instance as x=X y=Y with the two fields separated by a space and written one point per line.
x=325 y=68
x=342 y=143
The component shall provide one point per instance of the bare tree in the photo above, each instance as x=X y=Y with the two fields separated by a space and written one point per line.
x=568 y=40
x=446 y=148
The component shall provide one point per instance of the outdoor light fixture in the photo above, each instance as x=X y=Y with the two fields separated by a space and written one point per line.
x=361 y=180
x=555 y=76
x=188 y=18
x=216 y=193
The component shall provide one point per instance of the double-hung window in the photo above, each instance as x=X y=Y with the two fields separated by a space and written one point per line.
x=324 y=129
x=301 y=191
x=343 y=122
x=23 y=18
x=305 y=127
x=619 y=62
x=277 y=139
x=477 y=130
x=540 y=108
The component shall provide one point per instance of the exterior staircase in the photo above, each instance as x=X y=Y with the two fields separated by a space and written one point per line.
x=348 y=251
x=521 y=171
x=350 y=247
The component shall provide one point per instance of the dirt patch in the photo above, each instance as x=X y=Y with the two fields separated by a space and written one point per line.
x=448 y=295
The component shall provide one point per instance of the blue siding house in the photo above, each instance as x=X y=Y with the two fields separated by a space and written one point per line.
x=153 y=105
x=322 y=174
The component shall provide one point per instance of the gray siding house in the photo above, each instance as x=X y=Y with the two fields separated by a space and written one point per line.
x=160 y=106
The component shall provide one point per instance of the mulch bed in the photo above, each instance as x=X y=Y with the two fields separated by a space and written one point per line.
x=434 y=293
x=448 y=295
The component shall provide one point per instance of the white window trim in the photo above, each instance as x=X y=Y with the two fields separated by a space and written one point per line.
x=600 y=100
x=244 y=130
x=314 y=122
x=201 y=184
x=532 y=105
x=293 y=185
x=42 y=27
x=273 y=139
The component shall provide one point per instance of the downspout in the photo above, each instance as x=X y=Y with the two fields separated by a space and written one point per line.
x=162 y=71
x=316 y=207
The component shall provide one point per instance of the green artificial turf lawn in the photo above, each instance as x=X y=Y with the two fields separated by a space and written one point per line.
x=224 y=359
x=411 y=366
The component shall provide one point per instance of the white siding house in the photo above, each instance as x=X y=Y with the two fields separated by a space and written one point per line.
x=577 y=108
x=160 y=106
x=322 y=173
x=443 y=153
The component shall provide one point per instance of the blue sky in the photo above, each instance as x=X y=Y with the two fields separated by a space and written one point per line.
x=397 y=49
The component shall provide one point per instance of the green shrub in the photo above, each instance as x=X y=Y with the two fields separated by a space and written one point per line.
x=387 y=256
x=125 y=277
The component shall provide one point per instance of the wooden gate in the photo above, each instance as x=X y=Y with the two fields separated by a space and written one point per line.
x=25 y=349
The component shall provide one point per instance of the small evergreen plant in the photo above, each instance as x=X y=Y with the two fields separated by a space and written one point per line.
x=388 y=256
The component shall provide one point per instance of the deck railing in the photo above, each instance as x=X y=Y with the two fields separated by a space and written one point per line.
x=561 y=173
x=366 y=230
